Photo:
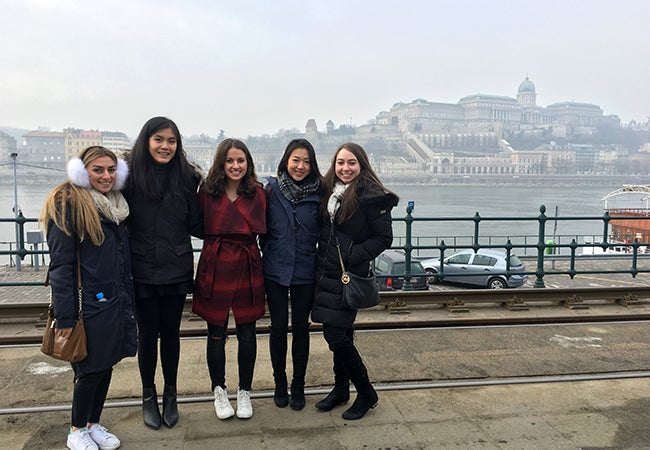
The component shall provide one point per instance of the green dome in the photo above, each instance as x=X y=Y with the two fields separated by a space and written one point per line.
x=527 y=86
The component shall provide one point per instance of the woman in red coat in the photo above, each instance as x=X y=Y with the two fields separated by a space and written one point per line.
x=229 y=275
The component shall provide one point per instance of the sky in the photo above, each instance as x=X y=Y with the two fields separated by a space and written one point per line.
x=256 y=67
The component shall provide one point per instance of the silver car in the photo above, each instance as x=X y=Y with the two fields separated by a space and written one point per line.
x=485 y=268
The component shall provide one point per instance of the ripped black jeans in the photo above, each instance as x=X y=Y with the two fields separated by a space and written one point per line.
x=246 y=354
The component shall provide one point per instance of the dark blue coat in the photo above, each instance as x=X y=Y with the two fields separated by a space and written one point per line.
x=110 y=324
x=289 y=247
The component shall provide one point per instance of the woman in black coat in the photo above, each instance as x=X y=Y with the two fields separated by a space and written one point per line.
x=356 y=209
x=84 y=224
x=162 y=194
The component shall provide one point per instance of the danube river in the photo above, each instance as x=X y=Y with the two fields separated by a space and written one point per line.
x=432 y=201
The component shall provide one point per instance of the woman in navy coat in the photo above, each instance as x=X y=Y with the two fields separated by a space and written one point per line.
x=356 y=209
x=289 y=257
x=84 y=223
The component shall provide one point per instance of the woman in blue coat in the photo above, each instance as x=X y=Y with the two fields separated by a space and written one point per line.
x=84 y=224
x=289 y=258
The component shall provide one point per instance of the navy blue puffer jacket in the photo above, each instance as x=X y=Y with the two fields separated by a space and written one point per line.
x=110 y=323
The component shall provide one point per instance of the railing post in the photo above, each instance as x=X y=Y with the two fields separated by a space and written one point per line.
x=541 y=246
x=477 y=220
x=408 y=248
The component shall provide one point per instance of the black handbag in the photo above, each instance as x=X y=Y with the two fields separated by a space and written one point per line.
x=358 y=292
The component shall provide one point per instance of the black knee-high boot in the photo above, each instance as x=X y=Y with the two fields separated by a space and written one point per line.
x=366 y=396
x=278 y=351
x=341 y=392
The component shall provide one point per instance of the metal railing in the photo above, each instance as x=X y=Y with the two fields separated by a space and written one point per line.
x=541 y=247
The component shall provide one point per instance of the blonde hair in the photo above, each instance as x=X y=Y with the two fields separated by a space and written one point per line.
x=72 y=209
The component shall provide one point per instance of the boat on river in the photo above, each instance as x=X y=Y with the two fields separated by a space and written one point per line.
x=628 y=223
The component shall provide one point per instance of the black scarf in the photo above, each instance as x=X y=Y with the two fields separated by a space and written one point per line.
x=294 y=192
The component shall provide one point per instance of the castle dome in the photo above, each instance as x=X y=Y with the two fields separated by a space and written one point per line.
x=526 y=86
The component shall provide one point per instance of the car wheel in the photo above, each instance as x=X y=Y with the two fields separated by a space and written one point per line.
x=496 y=283
x=432 y=276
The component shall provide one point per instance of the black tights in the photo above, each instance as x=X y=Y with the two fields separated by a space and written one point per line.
x=159 y=316
x=246 y=354
x=88 y=397
x=278 y=298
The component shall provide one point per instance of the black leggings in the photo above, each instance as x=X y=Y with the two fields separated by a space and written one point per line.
x=88 y=397
x=246 y=354
x=302 y=298
x=159 y=316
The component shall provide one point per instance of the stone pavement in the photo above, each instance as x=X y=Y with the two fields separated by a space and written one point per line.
x=610 y=414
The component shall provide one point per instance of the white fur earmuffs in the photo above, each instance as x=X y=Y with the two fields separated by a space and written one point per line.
x=78 y=175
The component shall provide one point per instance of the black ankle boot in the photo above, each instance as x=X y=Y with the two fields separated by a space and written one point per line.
x=338 y=396
x=170 y=406
x=280 y=396
x=297 y=396
x=364 y=402
x=150 y=411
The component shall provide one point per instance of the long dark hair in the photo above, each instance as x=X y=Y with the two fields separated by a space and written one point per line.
x=349 y=200
x=141 y=163
x=215 y=182
x=314 y=173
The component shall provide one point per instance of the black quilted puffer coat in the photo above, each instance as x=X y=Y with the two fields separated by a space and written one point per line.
x=363 y=237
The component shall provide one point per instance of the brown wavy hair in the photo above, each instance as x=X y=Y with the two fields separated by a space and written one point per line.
x=215 y=182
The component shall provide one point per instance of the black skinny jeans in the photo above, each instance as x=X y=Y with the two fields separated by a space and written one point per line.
x=278 y=297
x=246 y=354
x=88 y=397
x=159 y=316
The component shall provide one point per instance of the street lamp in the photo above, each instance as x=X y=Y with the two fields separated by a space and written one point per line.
x=17 y=212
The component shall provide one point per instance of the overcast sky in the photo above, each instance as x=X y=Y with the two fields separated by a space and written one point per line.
x=254 y=67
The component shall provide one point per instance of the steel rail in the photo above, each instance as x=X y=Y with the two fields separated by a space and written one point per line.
x=447 y=298
x=538 y=379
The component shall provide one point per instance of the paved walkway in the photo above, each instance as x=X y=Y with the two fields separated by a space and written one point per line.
x=562 y=415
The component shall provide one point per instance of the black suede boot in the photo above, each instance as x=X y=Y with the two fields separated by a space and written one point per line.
x=297 y=395
x=280 y=395
x=170 y=406
x=366 y=396
x=366 y=400
x=150 y=411
x=278 y=352
x=341 y=392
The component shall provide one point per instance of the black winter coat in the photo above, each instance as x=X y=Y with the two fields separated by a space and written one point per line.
x=159 y=230
x=363 y=237
x=110 y=323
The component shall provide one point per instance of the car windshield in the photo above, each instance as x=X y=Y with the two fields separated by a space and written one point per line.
x=416 y=268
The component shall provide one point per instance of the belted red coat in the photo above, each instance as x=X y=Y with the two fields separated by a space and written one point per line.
x=229 y=274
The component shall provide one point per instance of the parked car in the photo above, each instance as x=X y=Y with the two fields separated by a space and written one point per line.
x=485 y=268
x=390 y=267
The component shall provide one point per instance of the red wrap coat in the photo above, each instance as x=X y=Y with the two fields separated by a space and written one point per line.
x=229 y=274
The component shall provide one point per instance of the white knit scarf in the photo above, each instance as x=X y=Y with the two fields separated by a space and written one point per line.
x=111 y=205
x=334 y=201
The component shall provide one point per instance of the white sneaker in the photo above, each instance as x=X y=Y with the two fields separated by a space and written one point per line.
x=103 y=439
x=81 y=440
x=244 y=407
x=222 y=405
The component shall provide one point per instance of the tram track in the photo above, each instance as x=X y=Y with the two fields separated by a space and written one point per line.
x=385 y=387
x=22 y=323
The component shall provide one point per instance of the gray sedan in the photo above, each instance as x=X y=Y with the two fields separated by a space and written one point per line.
x=485 y=268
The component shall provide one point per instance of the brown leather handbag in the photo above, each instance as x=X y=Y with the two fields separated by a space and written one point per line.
x=72 y=349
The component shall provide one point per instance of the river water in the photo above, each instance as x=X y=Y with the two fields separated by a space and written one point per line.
x=458 y=201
